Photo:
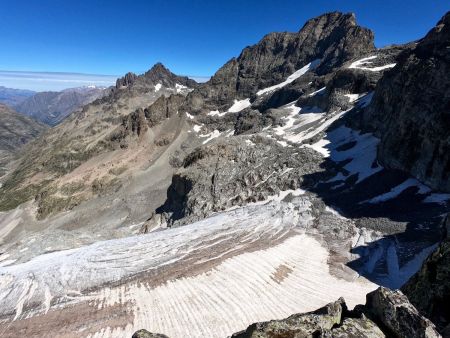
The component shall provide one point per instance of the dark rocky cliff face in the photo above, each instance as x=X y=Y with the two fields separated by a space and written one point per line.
x=410 y=110
x=429 y=289
x=334 y=38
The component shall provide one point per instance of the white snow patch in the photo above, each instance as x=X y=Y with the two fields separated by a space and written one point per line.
x=398 y=275
x=396 y=191
x=319 y=146
x=360 y=64
x=189 y=116
x=363 y=154
x=7 y=262
x=180 y=88
x=239 y=105
x=214 y=134
x=158 y=87
x=318 y=92
x=197 y=128
x=229 y=133
x=249 y=142
x=310 y=66
x=353 y=97
x=437 y=198
x=216 y=113
x=334 y=212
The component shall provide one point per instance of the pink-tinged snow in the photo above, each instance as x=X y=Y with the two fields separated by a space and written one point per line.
x=268 y=281
x=362 y=63
x=291 y=78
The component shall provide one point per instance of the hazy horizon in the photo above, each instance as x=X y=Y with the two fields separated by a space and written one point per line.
x=56 y=81
x=188 y=37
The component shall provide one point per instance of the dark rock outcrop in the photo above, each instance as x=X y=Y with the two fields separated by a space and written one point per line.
x=127 y=80
x=410 y=110
x=399 y=318
x=311 y=324
x=234 y=171
x=158 y=74
x=429 y=289
x=387 y=313
x=146 y=334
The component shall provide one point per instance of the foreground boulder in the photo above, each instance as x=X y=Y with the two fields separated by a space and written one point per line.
x=387 y=313
x=146 y=334
x=393 y=311
x=325 y=322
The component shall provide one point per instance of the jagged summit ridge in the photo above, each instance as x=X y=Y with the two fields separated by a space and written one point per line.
x=158 y=74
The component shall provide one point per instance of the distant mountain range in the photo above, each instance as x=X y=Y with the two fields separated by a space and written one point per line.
x=15 y=131
x=53 y=107
x=12 y=97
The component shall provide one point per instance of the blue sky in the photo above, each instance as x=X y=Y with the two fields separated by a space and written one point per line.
x=190 y=37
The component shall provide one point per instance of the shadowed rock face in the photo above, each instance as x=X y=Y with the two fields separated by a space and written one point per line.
x=334 y=38
x=410 y=110
x=429 y=289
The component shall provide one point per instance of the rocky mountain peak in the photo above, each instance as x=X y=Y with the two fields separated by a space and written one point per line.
x=330 y=40
x=327 y=20
x=158 y=69
x=157 y=75
x=127 y=80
